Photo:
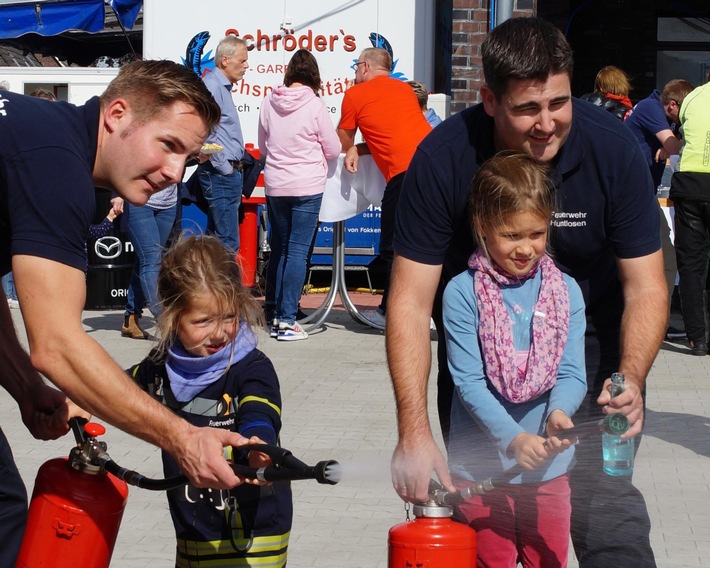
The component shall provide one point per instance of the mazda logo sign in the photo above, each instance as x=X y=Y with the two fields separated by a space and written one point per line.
x=108 y=248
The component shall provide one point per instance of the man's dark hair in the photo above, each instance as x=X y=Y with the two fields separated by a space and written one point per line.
x=524 y=48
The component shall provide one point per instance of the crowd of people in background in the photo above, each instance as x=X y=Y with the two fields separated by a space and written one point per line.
x=472 y=207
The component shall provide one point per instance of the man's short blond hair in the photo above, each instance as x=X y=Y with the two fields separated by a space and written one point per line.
x=150 y=87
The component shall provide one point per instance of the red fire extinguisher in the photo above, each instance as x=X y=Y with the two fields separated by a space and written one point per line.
x=76 y=509
x=432 y=540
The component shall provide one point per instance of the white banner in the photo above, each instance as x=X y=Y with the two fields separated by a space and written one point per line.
x=335 y=31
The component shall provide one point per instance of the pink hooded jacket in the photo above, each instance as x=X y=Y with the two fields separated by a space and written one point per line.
x=297 y=137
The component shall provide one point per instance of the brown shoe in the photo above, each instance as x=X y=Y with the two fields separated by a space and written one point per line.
x=130 y=328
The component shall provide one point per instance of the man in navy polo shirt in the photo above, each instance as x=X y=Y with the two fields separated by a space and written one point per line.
x=654 y=123
x=134 y=140
x=605 y=233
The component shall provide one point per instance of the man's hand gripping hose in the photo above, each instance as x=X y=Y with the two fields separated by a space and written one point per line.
x=91 y=454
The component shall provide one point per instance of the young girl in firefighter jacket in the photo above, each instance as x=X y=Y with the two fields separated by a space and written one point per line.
x=206 y=368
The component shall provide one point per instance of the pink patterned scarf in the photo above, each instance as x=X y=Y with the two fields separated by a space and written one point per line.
x=550 y=328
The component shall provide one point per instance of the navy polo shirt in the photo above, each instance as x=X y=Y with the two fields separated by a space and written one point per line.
x=646 y=120
x=47 y=153
x=605 y=204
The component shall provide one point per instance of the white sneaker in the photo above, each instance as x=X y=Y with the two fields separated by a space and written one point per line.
x=13 y=304
x=375 y=317
x=274 y=330
x=291 y=332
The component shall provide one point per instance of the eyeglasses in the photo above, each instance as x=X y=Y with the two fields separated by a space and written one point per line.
x=354 y=65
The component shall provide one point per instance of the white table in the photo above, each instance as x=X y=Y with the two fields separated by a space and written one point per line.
x=346 y=195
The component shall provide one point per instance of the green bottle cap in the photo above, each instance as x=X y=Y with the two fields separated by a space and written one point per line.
x=616 y=424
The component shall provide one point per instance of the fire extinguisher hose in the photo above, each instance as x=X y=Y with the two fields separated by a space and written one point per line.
x=285 y=467
x=615 y=424
x=138 y=480
x=90 y=452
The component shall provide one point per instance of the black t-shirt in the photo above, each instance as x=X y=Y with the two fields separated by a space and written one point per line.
x=47 y=152
x=605 y=204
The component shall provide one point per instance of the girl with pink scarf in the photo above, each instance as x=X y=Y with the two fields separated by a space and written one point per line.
x=515 y=339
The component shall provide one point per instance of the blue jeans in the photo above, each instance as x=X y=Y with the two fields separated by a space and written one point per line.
x=223 y=194
x=293 y=223
x=8 y=285
x=148 y=230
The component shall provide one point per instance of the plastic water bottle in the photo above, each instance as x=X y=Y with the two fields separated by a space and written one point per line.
x=618 y=454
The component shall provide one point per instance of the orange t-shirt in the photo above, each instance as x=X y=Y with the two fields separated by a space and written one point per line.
x=387 y=113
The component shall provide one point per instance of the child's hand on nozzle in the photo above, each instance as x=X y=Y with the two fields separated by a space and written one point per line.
x=529 y=450
x=256 y=459
x=556 y=423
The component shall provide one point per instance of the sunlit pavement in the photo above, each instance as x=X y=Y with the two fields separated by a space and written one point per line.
x=338 y=404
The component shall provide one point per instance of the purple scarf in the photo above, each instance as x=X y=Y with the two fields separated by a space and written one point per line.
x=550 y=328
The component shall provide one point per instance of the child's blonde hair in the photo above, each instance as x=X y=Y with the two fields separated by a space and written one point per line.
x=510 y=182
x=193 y=265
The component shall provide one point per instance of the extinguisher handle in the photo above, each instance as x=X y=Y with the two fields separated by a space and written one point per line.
x=77 y=427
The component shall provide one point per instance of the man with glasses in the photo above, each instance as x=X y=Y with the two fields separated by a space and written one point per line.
x=654 y=122
x=388 y=115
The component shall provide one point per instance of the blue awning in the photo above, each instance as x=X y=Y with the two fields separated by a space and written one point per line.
x=48 y=18
x=126 y=11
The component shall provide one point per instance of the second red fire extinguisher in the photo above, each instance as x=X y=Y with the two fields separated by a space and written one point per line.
x=432 y=540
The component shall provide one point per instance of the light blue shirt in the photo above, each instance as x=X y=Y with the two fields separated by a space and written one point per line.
x=432 y=118
x=483 y=423
x=228 y=133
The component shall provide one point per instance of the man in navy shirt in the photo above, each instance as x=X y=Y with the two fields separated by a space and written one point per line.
x=654 y=123
x=605 y=233
x=134 y=140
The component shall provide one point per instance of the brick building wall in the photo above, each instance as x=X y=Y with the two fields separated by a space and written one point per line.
x=470 y=24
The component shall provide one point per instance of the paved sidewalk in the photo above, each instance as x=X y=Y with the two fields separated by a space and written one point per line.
x=338 y=404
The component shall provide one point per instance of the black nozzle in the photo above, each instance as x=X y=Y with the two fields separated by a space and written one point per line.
x=328 y=472
x=615 y=424
x=286 y=467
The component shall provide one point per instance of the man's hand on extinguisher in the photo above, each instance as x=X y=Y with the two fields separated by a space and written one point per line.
x=46 y=412
x=200 y=455
x=413 y=463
